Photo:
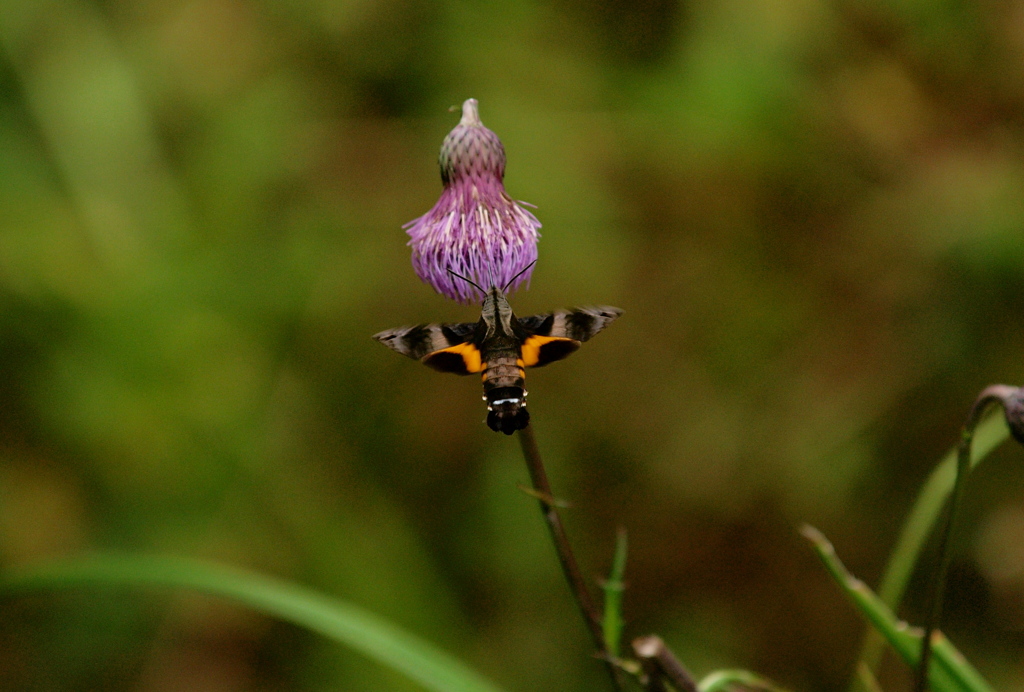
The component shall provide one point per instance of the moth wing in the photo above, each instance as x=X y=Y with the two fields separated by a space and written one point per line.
x=424 y=339
x=461 y=359
x=578 y=324
x=538 y=351
x=556 y=335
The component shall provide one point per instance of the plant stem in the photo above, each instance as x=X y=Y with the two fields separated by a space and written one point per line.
x=996 y=393
x=923 y=517
x=951 y=671
x=589 y=612
x=613 y=587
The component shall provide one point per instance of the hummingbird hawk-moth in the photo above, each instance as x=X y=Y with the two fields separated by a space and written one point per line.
x=500 y=346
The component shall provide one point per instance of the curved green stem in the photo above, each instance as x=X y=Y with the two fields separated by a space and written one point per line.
x=989 y=434
x=998 y=393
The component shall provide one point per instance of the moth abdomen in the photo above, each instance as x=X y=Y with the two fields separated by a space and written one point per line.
x=503 y=374
x=506 y=409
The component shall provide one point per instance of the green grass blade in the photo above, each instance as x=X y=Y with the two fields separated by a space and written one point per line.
x=613 y=588
x=949 y=670
x=728 y=680
x=335 y=619
x=865 y=676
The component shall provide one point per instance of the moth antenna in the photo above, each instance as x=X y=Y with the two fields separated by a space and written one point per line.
x=468 y=281
x=525 y=269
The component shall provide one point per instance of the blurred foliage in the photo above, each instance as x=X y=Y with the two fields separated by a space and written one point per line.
x=810 y=211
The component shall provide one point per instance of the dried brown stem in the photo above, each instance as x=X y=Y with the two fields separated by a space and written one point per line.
x=659 y=663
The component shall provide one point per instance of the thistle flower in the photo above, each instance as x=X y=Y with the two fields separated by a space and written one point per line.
x=475 y=229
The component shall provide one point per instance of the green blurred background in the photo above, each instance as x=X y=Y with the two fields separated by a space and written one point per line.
x=811 y=212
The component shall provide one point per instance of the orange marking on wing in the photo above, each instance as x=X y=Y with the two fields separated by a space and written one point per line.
x=532 y=346
x=470 y=356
